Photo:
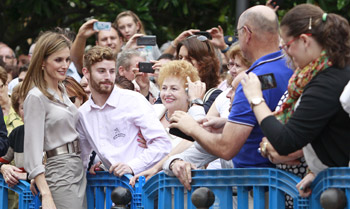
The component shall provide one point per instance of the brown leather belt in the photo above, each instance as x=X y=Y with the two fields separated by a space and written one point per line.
x=70 y=147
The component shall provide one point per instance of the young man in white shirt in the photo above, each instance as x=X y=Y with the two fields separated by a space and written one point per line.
x=111 y=119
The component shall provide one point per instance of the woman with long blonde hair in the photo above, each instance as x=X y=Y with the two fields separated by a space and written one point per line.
x=50 y=118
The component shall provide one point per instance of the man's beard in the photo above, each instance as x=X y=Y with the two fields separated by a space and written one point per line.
x=98 y=86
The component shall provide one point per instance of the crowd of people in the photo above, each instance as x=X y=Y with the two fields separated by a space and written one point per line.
x=277 y=96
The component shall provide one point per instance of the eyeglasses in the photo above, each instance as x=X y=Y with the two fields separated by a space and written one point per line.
x=236 y=32
x=244 y=26
x=286 y=46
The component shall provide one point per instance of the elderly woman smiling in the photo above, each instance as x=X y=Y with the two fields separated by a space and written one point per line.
x=174 y=78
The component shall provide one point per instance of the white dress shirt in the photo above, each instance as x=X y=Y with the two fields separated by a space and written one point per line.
x=111 y=131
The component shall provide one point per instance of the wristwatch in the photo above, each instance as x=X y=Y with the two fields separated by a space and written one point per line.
x=256 y=101
x=197 y=102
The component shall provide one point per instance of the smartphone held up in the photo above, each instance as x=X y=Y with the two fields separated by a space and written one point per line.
x=267 y=81
x=146 y=41
x=204 y=33
x=98 y=26
x=146 y=67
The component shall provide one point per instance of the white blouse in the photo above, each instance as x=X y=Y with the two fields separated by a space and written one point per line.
x=47 y=125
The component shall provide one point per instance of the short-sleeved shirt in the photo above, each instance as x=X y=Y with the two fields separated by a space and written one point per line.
x=222 y=104
x=242 y=113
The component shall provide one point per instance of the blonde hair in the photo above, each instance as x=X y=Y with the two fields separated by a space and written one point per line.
x=134 y=16
x=180 y=69
x=235 y=50
x=97 y=54
x=47 y=44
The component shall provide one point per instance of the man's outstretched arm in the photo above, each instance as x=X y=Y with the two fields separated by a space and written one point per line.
x=225 y=145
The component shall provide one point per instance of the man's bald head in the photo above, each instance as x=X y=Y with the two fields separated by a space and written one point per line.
x=261 y=19
x=259 y=35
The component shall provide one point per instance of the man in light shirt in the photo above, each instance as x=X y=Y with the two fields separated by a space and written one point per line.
x=111 y=119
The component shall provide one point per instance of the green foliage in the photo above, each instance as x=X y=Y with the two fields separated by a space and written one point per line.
x=22 y=20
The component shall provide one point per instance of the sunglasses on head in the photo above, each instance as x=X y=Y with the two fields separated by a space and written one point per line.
x=201 y=38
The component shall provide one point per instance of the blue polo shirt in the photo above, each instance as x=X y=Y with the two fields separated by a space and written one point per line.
x=242 y=113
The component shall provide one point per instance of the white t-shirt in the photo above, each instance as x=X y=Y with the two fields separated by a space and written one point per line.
x=222 y=104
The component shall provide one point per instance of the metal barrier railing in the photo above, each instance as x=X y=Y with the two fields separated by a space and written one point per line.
x=25 y=198
x=332 y=178
x=331 y=189
x=100 y=187
x=222 y=183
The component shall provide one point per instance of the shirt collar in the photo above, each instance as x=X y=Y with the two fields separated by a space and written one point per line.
x=265 y=59
x=111 y=101
x=56 y=97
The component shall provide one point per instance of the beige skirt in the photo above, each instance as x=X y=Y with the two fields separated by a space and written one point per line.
x=66 y=178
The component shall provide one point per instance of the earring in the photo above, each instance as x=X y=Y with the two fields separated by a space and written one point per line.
x=42 y=68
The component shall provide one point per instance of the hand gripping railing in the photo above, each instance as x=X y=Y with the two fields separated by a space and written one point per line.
x=25 y=197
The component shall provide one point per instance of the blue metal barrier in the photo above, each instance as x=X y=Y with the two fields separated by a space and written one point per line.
x=260 y=180
x=25 y=197
x=330 y=178
x=98 y=192
x=221 y=182
x=100 y=186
